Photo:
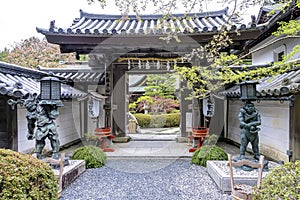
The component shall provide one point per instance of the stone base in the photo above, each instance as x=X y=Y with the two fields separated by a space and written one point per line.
x=71 y=171
x=219 y=172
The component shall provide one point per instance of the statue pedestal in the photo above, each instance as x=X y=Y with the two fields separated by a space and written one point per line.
x=71 y=171
x=219 y=172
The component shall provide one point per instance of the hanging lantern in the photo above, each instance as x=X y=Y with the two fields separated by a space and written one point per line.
x=147 y=65
x=248 y=90
x=50 y=89
x=158 y=65
x=128 y=64
x=168 y=65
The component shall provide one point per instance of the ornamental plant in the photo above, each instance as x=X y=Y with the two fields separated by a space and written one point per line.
x=209 y=151
x=25 y=177
x=280 y=183
x=93 y=156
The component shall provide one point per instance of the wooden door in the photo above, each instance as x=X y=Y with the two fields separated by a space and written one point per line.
x=8 y=125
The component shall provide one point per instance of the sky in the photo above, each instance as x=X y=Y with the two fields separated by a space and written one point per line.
x=19 y=18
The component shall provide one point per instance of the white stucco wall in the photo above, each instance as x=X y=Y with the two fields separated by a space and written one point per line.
x=274 y=134
x=66 y=126
x=263 y=53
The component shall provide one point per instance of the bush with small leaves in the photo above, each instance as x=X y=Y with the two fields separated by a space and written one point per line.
x=93 y=156
x=209 y=151
x=143 y=119
x=205 y=153
x=280 y=183
x=25 y=177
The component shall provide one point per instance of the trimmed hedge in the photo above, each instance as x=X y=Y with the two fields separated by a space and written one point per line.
x=93 y=156
x=172 y=120
x=25 y=177
x=158 y=121
x=143 y=119
x=280 y=183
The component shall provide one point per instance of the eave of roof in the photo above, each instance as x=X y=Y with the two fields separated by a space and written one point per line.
x=26 y=81
x=92 y=29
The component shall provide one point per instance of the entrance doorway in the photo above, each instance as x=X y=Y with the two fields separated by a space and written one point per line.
x=154 y=103
x=8 y=125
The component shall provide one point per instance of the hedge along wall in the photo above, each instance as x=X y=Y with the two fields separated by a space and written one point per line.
x=158 y=121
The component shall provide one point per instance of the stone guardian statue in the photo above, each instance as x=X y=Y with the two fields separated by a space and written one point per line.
x=250 y=119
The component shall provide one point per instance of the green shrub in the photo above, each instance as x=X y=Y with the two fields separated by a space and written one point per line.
x=143 y=119
x=25 y=177
x=172 y=120
x=280 y=183
x=209 y=151
x=157 y=121
x=205 y=153
x=94 y=157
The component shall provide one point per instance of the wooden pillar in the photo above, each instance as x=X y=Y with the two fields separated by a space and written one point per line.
x=119 y=107
x=294 y=146
x=184 y=109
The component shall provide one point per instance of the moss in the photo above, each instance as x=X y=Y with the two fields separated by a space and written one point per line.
x=93 y=156
x=280 y=183
x=25 y=177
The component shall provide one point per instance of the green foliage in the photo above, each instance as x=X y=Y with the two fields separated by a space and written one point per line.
x=291 y=27
x=4 y=54
x=158 y=121
x=143 y=119
x=172 y=120
x=207 y=152
x=90 y=136
x=25 y=177
x=33 y=52
x=93 y=156
x=161 y=85
x=280 y=183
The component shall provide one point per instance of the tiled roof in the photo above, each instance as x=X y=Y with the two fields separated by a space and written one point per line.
x=15 y=79
x=282 y=85
x=100 y=24
x=79 y=75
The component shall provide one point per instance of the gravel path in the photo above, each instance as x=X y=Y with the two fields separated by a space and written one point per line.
x=153 y=179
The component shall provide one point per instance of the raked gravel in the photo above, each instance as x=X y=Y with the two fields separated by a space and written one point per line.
x=145 y=178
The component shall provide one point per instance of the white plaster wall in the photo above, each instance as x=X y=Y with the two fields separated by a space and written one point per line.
x=274 y=134
x=65 y=122
x=24 y=145
x=263 y=53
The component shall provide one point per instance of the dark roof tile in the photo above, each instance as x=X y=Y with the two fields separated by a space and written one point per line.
x=14 y=78
x=280 y=85
x=89 y=24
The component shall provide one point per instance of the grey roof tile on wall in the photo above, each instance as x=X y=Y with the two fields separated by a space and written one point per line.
x=15 y=79
x=281 y=85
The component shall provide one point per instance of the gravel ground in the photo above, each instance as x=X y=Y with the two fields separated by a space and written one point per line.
x=153 y=179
